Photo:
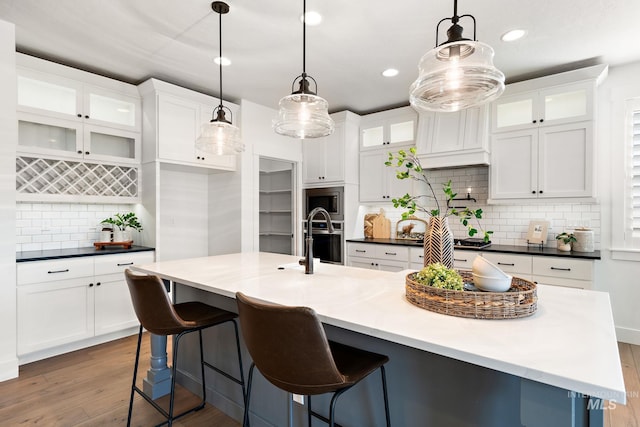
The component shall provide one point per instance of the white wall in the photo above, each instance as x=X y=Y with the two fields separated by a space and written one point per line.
x=261 y=141
x=619 y=278
x=8 y=143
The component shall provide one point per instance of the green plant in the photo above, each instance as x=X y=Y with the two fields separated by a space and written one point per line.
x=124 y=221
x=414 y=170
x=439 y=276
x=566 y=237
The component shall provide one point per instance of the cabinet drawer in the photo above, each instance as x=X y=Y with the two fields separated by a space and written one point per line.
x=392 y=252
x=463 y=260
x=53 y=270
x=416 y=256
x=560 y=281
x=514 y=264
x=563 y=268
x=109 y=264
x=361 y=250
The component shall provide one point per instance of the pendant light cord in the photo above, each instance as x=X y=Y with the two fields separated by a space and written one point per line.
x=304 y=37
x=220 y=56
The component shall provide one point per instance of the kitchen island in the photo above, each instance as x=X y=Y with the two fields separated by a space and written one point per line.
x=552 y=368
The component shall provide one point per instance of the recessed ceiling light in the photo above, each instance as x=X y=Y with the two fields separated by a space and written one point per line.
x=390 y=72
x=513 y=35
x=222 y=61
x=312 y=18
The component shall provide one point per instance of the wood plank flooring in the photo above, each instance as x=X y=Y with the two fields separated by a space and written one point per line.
x=90 y=387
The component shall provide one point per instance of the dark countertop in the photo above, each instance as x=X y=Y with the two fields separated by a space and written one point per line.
x=506 y=249
x=75 y=252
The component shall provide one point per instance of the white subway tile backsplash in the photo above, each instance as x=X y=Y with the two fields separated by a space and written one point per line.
x=42 y=226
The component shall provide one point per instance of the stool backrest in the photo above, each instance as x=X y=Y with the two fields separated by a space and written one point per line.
x=152 y=305
x=288 y=345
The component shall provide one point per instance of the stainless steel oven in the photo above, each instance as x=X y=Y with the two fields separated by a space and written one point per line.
x=327 y=246
x=329 y=198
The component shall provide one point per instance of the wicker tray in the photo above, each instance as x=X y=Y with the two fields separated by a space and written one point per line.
x=519 y=301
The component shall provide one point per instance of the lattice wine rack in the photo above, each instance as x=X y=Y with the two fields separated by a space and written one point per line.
x=38 y=178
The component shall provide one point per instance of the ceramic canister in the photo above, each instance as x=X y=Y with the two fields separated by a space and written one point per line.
x=584 y=240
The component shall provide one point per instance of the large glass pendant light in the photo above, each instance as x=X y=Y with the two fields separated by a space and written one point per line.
x=303 y=114
x=220 y=136
x=457 y=74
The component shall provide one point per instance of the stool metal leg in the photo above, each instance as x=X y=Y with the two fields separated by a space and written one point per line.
x=245 y=420
x=309 y=410
x=135 y=374
x=385 y=395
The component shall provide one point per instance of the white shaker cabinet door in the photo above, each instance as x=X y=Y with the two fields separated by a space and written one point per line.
x=514 y=160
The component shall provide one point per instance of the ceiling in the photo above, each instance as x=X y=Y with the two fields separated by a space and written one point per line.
x=176 y=41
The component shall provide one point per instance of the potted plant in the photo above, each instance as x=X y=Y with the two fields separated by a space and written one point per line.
x=564 y=241
x=438 y=240
x=122 y=226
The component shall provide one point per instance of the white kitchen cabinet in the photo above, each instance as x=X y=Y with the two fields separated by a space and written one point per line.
x=416 y=258
x=73 y=300
x=545 y=107
x=378 y=182
x=397 y=126
x=550 y=162
x=173 y=120
x=463 y=259
x=569 y=272
x=378 y=257
x=111 y=104
x=454 y=139
x=331 y=159
x=514 y=264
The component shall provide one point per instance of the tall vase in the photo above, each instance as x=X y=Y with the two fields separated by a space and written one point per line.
x=438 y=242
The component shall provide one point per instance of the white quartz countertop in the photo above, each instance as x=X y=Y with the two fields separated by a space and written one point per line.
x=569 y=342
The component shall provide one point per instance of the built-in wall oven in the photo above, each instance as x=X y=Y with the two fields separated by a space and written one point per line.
x=329 y=247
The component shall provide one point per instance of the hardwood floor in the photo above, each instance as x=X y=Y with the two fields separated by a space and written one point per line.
x=90 y=387
x=627 y=415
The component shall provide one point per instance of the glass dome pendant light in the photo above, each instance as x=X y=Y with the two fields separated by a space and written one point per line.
x=303 y=114
x=456 y=74
x=220 y=136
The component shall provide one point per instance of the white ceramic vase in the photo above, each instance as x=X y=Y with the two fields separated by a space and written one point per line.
x=119 y=235
x=564 y=247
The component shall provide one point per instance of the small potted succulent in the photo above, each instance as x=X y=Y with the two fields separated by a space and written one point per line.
x=564 y=241
x=122 y=226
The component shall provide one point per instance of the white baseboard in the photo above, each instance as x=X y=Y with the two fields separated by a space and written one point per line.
x=8 y=369
x=628 y=335
x=66 y=348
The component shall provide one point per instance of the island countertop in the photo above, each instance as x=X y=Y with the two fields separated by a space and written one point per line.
x=568 y=343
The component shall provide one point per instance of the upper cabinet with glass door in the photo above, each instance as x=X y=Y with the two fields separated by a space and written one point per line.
x=57 y=91
x=551 y=106
x=397 y=126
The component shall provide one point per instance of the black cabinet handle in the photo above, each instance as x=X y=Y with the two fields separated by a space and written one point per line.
x=460 y=260
x=533 y=191
x=79 y=151
x=120 y=264
x=360 y=250
x=541 y=120
x=79 y=115
x=87 y=153
x=540 y=191
x=391 y=253
x=561 y=269
x=98 y=284
x=422 y=256
x=505 y=263
x=58 y=271
x=86 y=117
x=535 y=121
x=91 y=285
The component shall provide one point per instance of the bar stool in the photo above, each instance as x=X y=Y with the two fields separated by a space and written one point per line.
x=289 y=347
x=159 y=316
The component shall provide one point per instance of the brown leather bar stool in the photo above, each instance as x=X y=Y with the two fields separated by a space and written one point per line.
x=291 y=350
x=159 y=316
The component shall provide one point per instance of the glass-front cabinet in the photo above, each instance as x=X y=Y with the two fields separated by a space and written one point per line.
x=397 y=126
x=551 y=106
x=57 y=96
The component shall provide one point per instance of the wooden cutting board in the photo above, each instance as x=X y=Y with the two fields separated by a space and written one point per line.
x=381 y=226
x=368 y=225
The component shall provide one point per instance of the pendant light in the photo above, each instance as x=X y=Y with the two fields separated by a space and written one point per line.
x=457 y=74
x=303 y=114
x=220 y=136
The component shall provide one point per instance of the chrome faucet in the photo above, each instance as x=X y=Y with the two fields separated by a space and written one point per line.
x=307 y=261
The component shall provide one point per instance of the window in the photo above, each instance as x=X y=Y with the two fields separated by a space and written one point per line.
x=633 y=195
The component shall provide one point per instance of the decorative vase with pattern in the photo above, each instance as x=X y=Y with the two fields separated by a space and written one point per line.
x=438 y=242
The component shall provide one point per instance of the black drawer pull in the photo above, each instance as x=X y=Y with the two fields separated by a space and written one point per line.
x=120 y=264
x=460 y=260
x=506 y=263
x=361 y=251
x=66 y=270
x=420 y=256
x=391 y=253
x=561 y=269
